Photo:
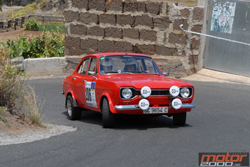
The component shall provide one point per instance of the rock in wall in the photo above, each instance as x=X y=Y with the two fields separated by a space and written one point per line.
x=54 y=5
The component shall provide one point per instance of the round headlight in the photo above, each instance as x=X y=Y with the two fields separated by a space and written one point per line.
x=185 y=92
x=126 y=93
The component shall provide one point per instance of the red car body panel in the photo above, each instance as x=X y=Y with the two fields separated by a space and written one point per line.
x=109 y=86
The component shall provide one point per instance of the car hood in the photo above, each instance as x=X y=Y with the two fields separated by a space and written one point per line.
x=152 y=81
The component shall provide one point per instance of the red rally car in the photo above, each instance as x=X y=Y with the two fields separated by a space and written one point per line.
x=125 y=83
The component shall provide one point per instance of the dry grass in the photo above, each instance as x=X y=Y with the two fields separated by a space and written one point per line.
x=2 y=115
x=7 y=80
x=32 y=106
x=16 y=96
x=14 y=12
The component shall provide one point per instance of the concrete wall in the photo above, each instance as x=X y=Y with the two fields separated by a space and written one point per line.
x=11 y=25
x=39 y=67
x=44 y=66
x=201 y=3
x=135 y=26
x=227 y=56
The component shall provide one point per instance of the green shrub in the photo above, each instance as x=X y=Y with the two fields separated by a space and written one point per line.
x=54 y=45
x=55 y=27
x=49 y=44
x=18 y=48
x=31 y=24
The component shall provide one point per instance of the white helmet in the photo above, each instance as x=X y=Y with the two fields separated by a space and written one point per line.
x=107 y=62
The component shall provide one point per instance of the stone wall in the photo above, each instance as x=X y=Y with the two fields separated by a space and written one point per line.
x=54 y=5
x=11 y=25
x=49 y=5
x=135 y=26
x=18 y=2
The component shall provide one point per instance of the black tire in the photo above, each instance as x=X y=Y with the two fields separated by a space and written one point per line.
x=74 y=113
x=180 y=119
x=108 y=118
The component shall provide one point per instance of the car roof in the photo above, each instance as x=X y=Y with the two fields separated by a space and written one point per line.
x=117 y=53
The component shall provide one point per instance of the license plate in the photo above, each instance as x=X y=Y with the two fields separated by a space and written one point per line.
x=156 y=110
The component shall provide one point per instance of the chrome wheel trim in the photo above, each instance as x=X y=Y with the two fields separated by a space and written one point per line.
x=69 y=107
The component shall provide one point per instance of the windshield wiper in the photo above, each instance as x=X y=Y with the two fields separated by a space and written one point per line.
x=111 y=72
x=126 y=72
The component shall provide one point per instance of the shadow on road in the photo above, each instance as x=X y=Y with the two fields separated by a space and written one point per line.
x=127 y=122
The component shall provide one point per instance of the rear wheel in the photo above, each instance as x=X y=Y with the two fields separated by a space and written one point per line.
x=74 y=113
x=108 y=119
x=179 y=119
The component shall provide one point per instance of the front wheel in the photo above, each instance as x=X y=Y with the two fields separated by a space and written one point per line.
x=179 y=119
x=108 y=119
x=74 y=113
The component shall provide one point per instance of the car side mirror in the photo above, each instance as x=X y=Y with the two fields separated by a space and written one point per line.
x=166 y=74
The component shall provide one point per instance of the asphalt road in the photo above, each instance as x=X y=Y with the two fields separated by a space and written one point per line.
x=219 y=123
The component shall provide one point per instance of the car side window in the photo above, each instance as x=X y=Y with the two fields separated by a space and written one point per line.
x=83 y=67
x=150 y=66
x=92 y=64
x=140 y=66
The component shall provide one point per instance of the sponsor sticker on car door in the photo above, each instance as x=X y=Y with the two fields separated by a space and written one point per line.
x=90 y=94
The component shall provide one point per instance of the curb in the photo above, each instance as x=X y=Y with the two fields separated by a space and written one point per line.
x=206 y=75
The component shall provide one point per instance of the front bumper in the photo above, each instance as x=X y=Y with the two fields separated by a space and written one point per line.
x=136 y=107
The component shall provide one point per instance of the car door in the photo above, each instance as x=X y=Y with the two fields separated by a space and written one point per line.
x=91 y=81
x=79 y=82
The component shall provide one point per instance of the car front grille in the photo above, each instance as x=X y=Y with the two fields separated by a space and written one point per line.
x=157 y=92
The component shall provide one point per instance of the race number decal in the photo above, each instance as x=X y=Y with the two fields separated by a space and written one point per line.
x=90 y=94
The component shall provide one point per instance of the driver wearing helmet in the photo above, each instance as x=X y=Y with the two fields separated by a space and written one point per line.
x=106 y=65
x=130 y=65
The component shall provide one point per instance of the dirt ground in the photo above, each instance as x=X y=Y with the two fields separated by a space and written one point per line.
x=13 y=35
x=14 y=125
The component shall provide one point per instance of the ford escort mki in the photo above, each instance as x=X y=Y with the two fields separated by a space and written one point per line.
x=125 y=83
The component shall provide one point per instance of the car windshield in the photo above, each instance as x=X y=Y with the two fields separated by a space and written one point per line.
x=124 y=64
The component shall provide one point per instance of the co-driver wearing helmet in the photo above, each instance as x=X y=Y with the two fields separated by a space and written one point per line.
x=107 y=65
x=130 y=65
